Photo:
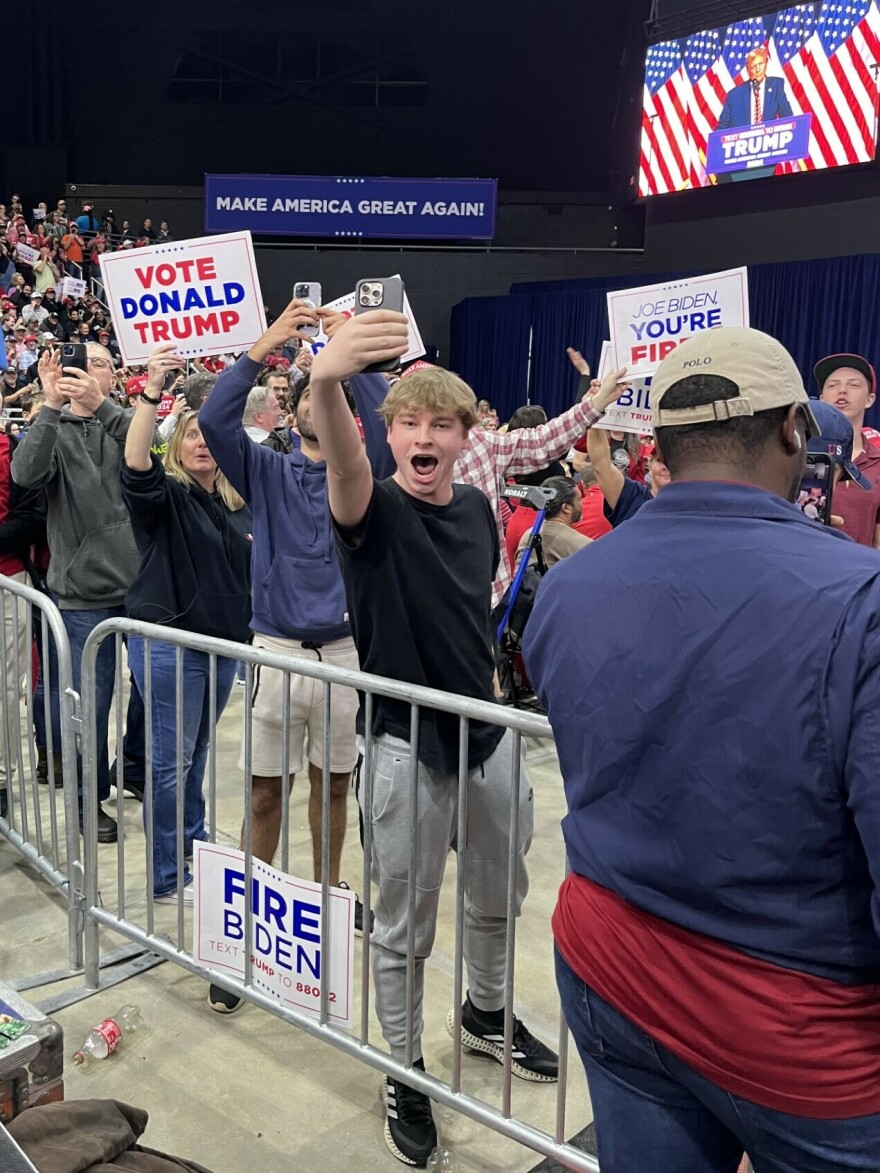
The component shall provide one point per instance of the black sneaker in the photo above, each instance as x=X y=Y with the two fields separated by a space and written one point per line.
x=359 y=912
x=222 y=1001
x=4 y=804
x=133 y=786
x=409 y=1123
x=483 y=1031
x=43 y=768
x=107 y=829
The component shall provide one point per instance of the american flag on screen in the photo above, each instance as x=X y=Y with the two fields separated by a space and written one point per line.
x=664 y=158
x=825 y=52
x=827 y=66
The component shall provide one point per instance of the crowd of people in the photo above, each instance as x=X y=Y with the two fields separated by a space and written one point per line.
x=721 y=827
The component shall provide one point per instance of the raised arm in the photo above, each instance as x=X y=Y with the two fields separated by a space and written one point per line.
x=33 y=463
x=141 y=429
x=220 y=414
x=372 y=337
x=610 y=479
x=528 y=449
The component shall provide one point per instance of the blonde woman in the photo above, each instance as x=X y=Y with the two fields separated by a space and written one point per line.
x=194 y=535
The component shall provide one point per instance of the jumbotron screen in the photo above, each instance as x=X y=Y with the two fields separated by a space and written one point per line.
x=770 y=95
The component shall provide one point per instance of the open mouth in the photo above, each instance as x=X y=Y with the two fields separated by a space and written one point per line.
x=424 y=466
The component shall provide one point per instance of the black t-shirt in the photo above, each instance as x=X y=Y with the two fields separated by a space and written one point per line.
x=419 y=584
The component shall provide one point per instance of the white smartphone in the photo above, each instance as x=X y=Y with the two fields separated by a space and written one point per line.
x=310 y=293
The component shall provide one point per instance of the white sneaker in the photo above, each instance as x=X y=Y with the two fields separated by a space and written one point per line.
x=189 y=895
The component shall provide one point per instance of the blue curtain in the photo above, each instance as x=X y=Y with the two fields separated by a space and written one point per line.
x=492 y=336
x=813 y=307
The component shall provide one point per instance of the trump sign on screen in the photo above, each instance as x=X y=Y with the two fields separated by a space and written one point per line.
x=203 y=294
x=713 y=102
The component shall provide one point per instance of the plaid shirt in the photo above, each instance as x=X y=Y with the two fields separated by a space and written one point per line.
x=491 y=458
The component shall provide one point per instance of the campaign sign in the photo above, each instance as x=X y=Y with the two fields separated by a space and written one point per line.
x=345 y=305
x=71 y=287
x=203 y=294
x=346 y=206
x=289 y=960
x=632 y=411
x=26 y=254
x=784 y=140
x=649 y=322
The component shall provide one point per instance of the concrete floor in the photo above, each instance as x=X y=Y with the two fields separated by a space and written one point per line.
x=249 y=1091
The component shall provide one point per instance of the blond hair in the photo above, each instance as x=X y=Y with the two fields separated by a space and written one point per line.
x=175 y=469
x=433 y=389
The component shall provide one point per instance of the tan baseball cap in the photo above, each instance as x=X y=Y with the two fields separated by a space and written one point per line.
x=761 y=367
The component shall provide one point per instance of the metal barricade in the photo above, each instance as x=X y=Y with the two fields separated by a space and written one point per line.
x=44 y=830
x=99 y=913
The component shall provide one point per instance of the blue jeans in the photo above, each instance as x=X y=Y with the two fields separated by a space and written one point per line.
x=654 y=1112
x=79 y=625
x=198 y=724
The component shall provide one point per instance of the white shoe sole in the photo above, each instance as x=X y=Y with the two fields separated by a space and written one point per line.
x=389 y=1139
x=475 y=1043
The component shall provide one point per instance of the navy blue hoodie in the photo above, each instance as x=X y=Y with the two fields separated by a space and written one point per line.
x=297 y=586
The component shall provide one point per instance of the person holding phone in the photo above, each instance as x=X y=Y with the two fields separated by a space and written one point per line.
x=418 y=556
x=193 y=532
x=73 y=451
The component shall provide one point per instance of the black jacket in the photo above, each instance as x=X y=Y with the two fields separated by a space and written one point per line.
x=196 y=556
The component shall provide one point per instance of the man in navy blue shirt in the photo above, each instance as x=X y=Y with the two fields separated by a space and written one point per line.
x=624 y=497
x=718 y=937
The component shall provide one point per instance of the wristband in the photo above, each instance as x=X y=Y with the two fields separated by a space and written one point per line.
x=152 y=402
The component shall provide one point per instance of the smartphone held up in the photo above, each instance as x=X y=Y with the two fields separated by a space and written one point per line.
x=310 y=293
x=816 y=488
x=379 y=293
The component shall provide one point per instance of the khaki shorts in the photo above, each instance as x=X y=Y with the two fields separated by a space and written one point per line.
x=306 y=711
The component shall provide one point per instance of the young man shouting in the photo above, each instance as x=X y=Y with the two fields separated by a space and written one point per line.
x=418 y=556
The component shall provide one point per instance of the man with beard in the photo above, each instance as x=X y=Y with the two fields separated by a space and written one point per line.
x=299 y=606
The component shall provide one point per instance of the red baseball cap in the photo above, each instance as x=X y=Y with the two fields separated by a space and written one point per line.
x=30 y=337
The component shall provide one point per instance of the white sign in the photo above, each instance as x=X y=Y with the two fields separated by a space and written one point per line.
x=288 y=958
x=26 y=254
x=71 y=287
x=38 y=213
x=648 y=323
x=345 y=305
x=203 y=294
x=632 y=411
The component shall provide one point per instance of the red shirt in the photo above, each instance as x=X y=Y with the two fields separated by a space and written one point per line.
x=593 y=523
x=860 y=508
x=9 y=563
x=523 y=519
x=786 y=1040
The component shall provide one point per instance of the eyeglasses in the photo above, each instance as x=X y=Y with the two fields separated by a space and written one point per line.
x=100 y=363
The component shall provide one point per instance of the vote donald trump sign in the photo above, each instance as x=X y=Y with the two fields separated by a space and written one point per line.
x=203 y=294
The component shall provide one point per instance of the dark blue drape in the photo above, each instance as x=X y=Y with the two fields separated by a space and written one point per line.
x=813 y=307
x=493 y=334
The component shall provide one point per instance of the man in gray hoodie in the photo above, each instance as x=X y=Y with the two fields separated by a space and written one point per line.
x=73 y=450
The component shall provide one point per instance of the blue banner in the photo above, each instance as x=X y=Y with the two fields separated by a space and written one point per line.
x=784 y=140
x=344 y=206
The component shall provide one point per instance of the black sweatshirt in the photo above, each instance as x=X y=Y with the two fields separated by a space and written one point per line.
x=196 y=556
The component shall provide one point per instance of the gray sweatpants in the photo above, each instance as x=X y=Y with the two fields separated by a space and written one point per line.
x=485 y=881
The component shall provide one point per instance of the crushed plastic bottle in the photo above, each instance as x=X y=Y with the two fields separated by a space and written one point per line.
x=442 y=1160
x=107 y=1035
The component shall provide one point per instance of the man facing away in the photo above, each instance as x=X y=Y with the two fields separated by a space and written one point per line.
x=718 y=936
x=418 y=556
